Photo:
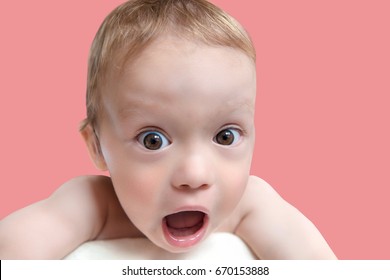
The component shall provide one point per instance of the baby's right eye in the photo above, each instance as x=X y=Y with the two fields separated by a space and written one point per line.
x=153 y=140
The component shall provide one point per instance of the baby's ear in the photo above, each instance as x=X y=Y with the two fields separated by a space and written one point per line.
x=93 y=146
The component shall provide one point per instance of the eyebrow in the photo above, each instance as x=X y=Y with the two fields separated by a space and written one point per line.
x=249 y=104
x=129 y=108
x=230 y=106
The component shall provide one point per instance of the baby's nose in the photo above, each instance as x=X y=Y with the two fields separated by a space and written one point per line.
x=193 y=171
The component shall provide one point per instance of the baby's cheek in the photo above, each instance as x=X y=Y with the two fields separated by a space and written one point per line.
x=232 y=191
x=238 y=188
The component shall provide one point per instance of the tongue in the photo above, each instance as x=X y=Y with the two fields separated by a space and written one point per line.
x=184 y=223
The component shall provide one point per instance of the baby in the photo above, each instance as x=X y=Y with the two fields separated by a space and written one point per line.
x=170 y=114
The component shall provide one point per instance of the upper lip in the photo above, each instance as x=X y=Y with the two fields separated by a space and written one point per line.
x=190 y=208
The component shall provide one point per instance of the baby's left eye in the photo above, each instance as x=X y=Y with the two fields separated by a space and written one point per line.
x=227 y=137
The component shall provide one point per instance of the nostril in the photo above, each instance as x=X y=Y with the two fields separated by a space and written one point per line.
x=204 y=186
x=193 y=187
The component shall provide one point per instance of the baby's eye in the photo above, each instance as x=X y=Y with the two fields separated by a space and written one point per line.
x=226 y=137
x=153 y=140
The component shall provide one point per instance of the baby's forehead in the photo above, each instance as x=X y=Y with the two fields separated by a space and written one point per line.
x=184 y=58
x=171 y=72
x=127 y=57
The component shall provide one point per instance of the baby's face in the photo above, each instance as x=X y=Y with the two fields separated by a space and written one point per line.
x=177 y=136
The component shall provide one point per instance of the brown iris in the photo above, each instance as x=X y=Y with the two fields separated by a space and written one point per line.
x=225 y=137
x=153 y=141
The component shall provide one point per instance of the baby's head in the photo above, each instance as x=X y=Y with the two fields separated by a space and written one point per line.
x=170 y=114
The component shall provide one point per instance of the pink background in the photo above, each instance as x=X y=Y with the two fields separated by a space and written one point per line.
x=323 y=137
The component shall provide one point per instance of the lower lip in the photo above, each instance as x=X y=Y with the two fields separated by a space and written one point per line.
x=185 y=241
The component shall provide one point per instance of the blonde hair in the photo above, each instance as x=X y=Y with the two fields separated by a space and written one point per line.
x=128 y=29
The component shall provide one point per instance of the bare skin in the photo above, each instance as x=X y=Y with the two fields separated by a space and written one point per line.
x=162 y=165
x=268 y=224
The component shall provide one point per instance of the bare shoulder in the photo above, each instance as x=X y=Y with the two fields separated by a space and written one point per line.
x=78 y=211
x=95 y=196
x=84 y=200
x=84 y=192
x=274 y=229
x=258 y=195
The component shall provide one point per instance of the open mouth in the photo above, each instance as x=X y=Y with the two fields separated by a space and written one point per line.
x=185 y=228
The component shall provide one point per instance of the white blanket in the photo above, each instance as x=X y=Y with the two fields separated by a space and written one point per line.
x=218 y=246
